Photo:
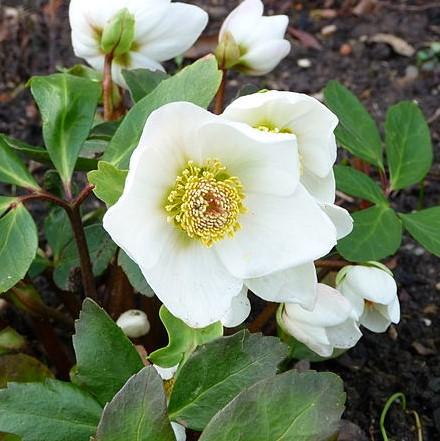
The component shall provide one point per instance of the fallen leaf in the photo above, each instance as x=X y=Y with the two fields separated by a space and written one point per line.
x=423 y=350
x=364 y=7
x=306 y=39
x=204 y=45
x=399 y=45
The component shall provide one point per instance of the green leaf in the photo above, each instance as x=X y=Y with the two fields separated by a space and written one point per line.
x=105 y=357
x=21 y=368
x=183 y=340
x=83 y=71
x=424 y=226
x=8 y=437
x=109 y=182
x=104 y=130
x=134 y=275
x=5 y=203
x=218 y=371
x=357 y=131
x=197 y=83
x=11 y=341
x=58 y=231
x=41 y=155
x=18 y=245
x=289 y=407
x=141 y=82
x=101 y=249
x=50 y=411
x=408 y=144
x=67 y=105
x=376 y=234
x=12 y=169
x=356 y=183
x=138 y=412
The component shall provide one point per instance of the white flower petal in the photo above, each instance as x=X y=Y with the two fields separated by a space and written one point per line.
x=166 y=373
x=344 y=335
x=314 y=337
x=192 y=282
x=371 y=283
x=323 y=189
x=276 y=234
x=242 y=20
x=354 y=298
x=294 y=285
x=239 y=310
x=257 y=62
x=269 y=28
x=331 y=309
x=148 y=230
x=374 y=320
x=262 y=164
x=341 y=219
x=179 y=28
x=179 y=431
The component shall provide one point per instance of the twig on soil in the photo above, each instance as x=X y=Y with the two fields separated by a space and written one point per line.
x=411 y=8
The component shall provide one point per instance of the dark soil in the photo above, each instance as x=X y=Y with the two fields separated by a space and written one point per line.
x=405 y=359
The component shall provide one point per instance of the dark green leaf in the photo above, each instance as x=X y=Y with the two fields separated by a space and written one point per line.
x=41 y=155
x=18 y=245
x=376 y=234
x=357 y=131
x=216 y=372
x=408 y=144
x=138 y=412
x=5 y=203
x=57 y=230
x=105 y=357
x=50 y=411
x=134 y=274
x=83 y=71
x=141 y=82
x=197 y=83
x=21 y=368
x=9 y=437
x=67 y=105
x=183 y=340
x=104 y=130
x=109 y=182
x=11 y=341
x=289 y=407
x=424 y=226
x=356 y=183
x=12 y=169
x=101 y=249
x=39 y=264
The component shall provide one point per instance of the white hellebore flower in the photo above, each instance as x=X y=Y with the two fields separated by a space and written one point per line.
x=145 y=32
x=372 y=291
x=134 y=323
x=309 y=125
x=210 y=208
x=330 y=325
x=251 y=42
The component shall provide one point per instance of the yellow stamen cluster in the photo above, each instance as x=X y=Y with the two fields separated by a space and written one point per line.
x=265 y=127
x=206 y=202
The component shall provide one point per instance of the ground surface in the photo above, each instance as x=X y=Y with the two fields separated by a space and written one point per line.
x=407 y=359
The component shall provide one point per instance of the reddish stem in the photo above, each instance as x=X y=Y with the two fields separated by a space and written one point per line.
x=107 y=85
x=220 y=97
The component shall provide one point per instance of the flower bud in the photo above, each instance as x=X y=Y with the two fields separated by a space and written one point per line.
x=118 y=34
x=227 y=51
x=134 y=323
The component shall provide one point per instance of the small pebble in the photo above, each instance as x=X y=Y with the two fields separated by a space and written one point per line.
x=437 y=286
x=328 y=30
x=426 y=321
x=345 y=49
x=419 y=251
x=305 y=63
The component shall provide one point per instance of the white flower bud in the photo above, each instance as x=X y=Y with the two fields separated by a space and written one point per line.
x=372 y=291
x=134 y=323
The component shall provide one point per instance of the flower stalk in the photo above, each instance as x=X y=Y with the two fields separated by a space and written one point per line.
x=107 y=86
x=220 y=97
